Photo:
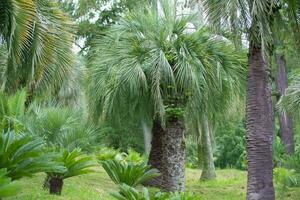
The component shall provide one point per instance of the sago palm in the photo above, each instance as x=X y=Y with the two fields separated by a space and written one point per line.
x=23 y=156
x=73 y=163
x=158 y=69
x=131 y=174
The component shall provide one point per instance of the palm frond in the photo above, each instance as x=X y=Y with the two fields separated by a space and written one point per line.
x=7 y=187
x=150 y=56
x=74 y=163
x=39 y=39
x=128 y=173
x=23 y=156
x=290 y=101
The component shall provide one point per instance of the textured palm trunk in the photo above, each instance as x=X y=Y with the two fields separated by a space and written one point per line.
x=156 y=153
x=260 y=128
x=56 y=185
x=285 y=121
x=208 y=166
x=173 y=146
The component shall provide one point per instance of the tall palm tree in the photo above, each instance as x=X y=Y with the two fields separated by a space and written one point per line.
x=37 y=40
x=284 y=45
x=257 y=18
x=154 y=65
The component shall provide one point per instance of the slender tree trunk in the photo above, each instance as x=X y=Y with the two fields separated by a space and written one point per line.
x=208 y=167
x=285 y=121
x=155 y=157
x=199 y=145
x=260 y=128
x=56 y=185
x=173 y=171
x=147 y=137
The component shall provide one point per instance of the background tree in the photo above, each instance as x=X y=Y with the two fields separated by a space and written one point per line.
x=257 y=19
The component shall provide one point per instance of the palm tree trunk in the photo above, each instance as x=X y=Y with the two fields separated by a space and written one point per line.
x=156 y=152
x=173 y=146
x=147 y=137
x=199 y=146
x=260 y=127
x=56 y=185
x=286 y=123
x=208 y=167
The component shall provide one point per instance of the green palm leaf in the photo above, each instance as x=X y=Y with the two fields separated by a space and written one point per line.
x=24 y=156
x=7 y=187
x=128 y=173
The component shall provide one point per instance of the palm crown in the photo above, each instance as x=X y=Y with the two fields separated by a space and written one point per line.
x=150 y=58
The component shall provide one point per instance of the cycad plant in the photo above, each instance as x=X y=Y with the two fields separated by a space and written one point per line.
x=23 y=155
x=158 y=69
x=65 y=133
x=73 y=163
x=131 y=174
x=129 y=193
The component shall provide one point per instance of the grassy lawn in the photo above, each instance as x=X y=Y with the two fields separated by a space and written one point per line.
x=230 y=185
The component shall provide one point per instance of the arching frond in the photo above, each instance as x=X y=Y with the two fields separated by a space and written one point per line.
x=39 y=40
x=290 y=101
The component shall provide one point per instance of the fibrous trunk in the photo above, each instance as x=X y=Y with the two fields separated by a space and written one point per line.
x=285 y=121
x=56 y=185
x=208 y=166
x=156 y=153
x=173 y=148
x=260 y=128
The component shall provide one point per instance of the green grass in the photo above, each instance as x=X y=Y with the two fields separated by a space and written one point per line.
x=229 y=185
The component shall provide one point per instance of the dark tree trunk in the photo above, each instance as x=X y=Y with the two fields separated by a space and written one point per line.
x=156 y=153
x=208 y=166
x=173 y=148
x=56 y=185
x=260 y=128
x=285 y=121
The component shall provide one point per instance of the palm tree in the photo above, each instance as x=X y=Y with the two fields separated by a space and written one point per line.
x=154 y=65
x=36 y=41
x=283 y=42
x=257 y=18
